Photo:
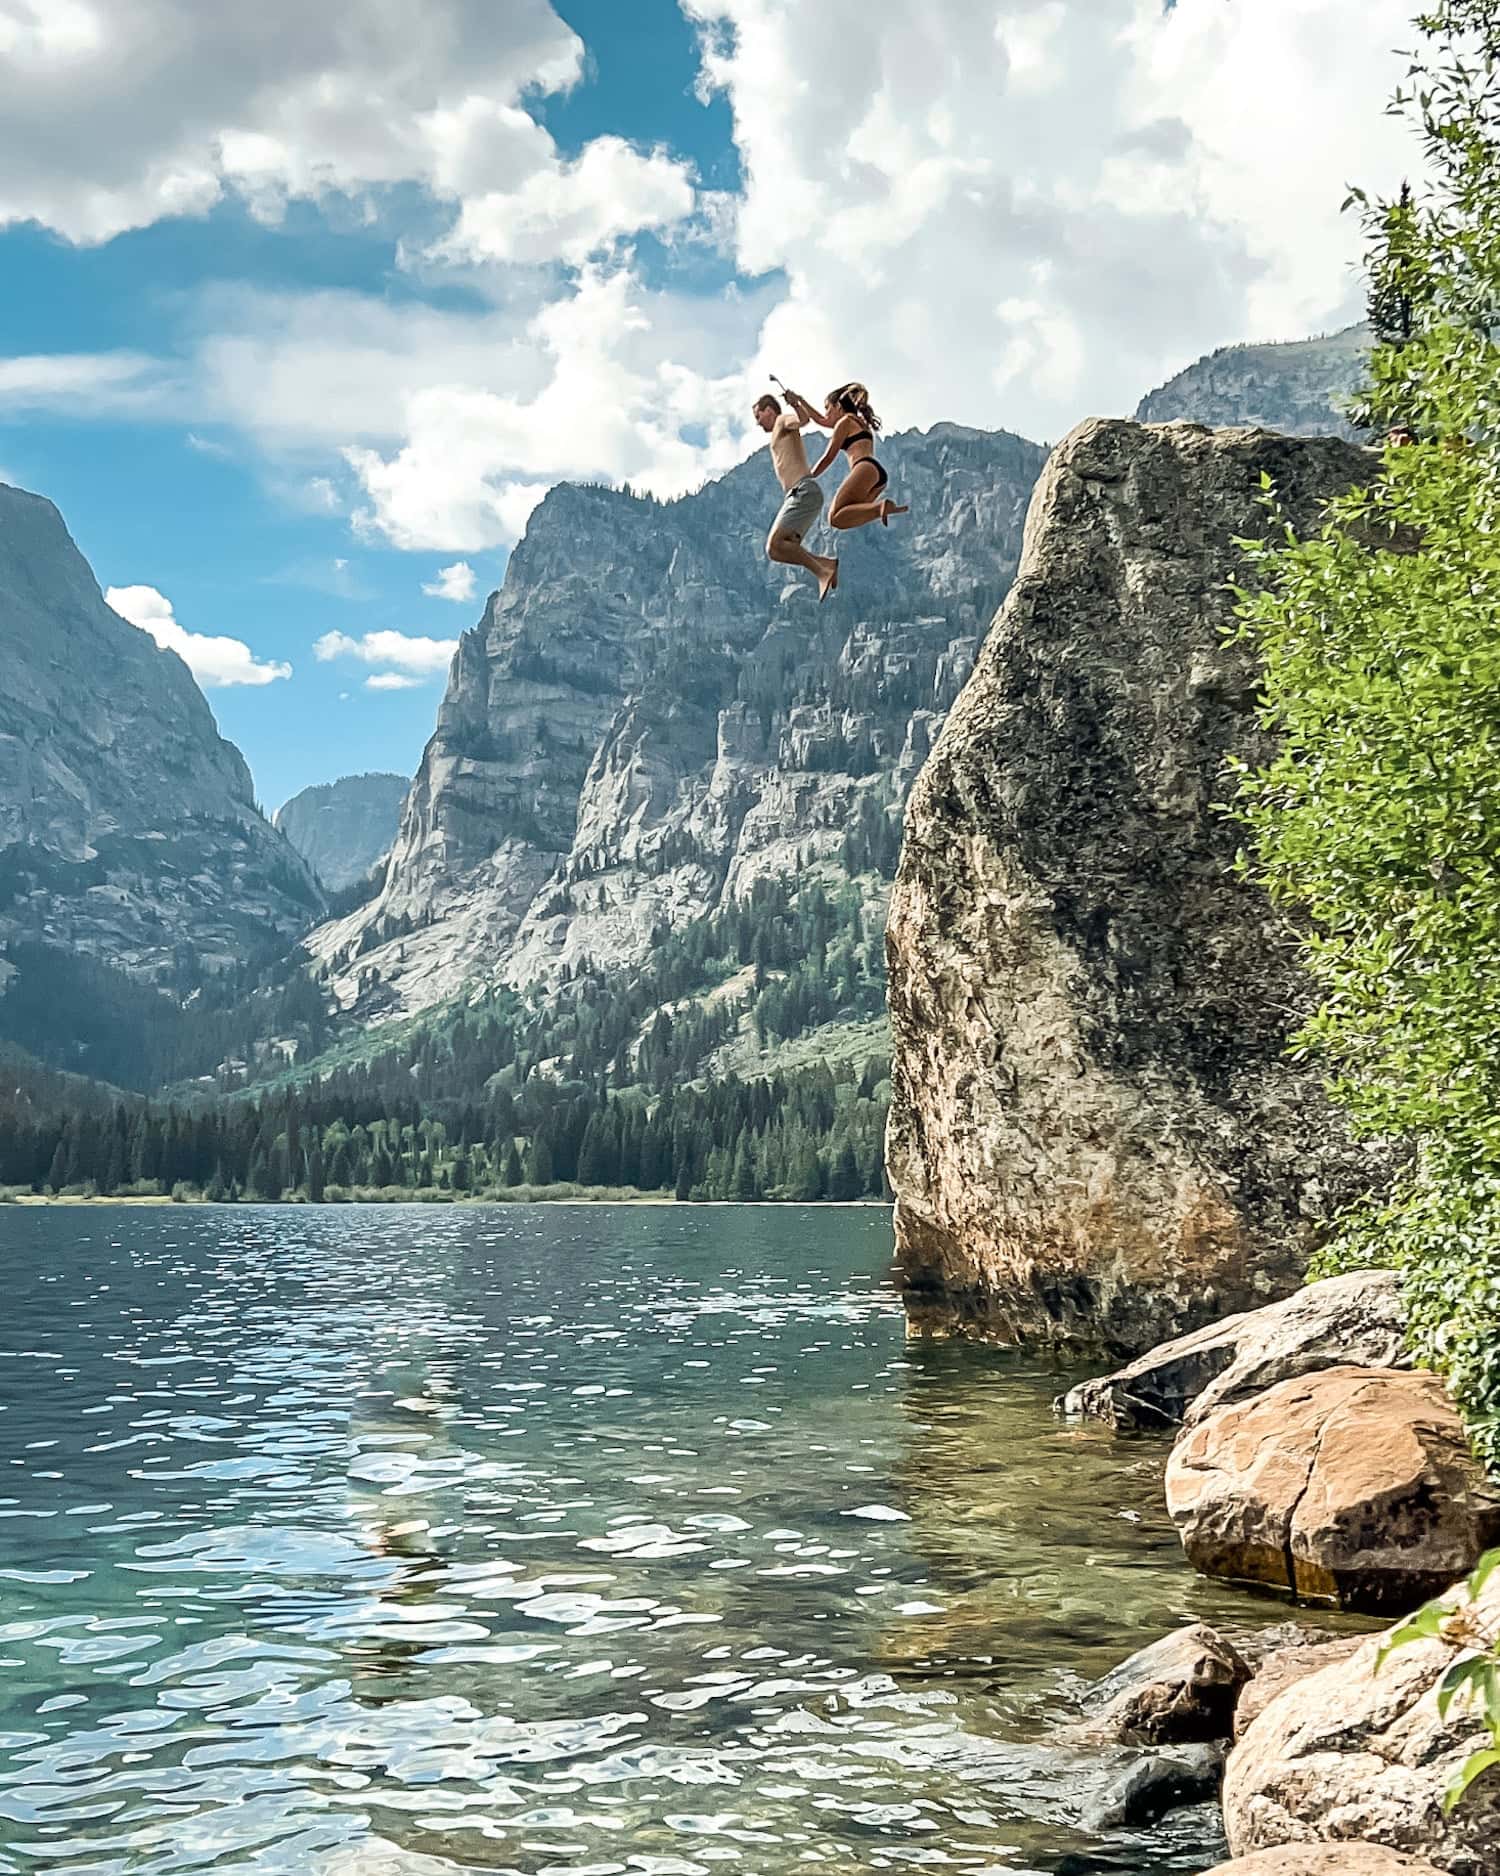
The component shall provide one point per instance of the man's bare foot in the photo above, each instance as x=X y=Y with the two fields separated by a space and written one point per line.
x=828 y=582
x=887 y=509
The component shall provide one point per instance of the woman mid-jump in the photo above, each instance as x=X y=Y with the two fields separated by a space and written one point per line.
x=855 y=426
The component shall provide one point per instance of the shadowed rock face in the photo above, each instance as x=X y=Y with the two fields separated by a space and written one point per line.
x=128 y=826
x=342 y=828
x=1096 y=1138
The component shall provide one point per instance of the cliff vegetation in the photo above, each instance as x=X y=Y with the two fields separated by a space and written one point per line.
x=1377 y=825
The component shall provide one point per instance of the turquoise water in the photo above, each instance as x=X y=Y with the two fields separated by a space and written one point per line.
x=547 y=1540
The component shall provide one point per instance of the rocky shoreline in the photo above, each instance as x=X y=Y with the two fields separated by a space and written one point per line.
x=1313 y=1461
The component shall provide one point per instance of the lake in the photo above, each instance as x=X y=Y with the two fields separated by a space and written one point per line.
x=404 y=1540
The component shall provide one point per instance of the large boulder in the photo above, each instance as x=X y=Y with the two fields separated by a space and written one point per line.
x=1354 y=1487
x=1355 y=1319
x=1178 y=1690
x=1353 y=1753
x=1327 y=1859
x=1096 y=1135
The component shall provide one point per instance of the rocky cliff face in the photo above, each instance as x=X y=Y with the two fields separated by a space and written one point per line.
x=128 y=829
x=342 y=828
x=1297 y=388
x=649 y=717
x=1095 y=1136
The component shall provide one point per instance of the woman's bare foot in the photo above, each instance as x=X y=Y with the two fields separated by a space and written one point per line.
x=887 y=509
x=828 y=582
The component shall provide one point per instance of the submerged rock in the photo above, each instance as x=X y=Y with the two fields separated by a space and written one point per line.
x=1096 y=1135
x=1354 y=1754
x=1155 y=1783
x=1352 y=1320
x=1180 y=1689
x=1354 y=1487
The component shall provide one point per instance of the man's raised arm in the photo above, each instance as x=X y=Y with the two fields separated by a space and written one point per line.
x=805 y=410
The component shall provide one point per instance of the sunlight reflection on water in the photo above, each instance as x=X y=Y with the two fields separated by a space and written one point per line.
x=555 y=1540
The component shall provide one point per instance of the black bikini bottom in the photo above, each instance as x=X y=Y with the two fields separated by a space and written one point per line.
x=879 y=470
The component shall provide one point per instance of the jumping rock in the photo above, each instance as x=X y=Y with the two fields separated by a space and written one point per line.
x=1354 y=1487
x=1352 y=1754
x=1097 y=1138
x=1157 y=1782
x=1353 y=1320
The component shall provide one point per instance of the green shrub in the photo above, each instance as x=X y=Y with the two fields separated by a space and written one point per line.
x=1377 y=826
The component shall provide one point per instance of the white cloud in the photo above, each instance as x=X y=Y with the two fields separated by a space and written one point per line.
x=86 y=382
x=391 y=680
x=520 y=202
x=115 y=118
x=456 y=583
x=1026 y=214
x=424 y=657
x=617 y=380
x=217 y=663
x=1015 y=215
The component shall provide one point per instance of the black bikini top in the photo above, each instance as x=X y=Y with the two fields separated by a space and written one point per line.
x=859 y=436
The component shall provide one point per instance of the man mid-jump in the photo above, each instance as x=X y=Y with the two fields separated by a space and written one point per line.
x=803 y=501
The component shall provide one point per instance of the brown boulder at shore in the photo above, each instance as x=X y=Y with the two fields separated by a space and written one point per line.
x=1356 y=1755
x=1354 y=1487
x=1097 y=1137
x=1326 y=1859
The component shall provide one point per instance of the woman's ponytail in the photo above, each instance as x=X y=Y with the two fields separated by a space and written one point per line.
x=854 y=400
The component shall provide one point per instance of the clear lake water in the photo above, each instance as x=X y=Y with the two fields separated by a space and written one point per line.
x=562 y=1541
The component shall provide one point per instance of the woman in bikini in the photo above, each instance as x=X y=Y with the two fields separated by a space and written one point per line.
x=855 y=426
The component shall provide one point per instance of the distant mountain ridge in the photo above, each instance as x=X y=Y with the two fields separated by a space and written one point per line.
x=650 y=717
x=1298 y=387
x=648 y=725
x=342 y=828
x=128 y=826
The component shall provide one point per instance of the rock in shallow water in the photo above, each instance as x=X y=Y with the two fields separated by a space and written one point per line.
x=1157 y=1782
x=1354 y=1487
x=1352 y=1320
x=1352 y=1754
x=1096 y=1135
x=1179 y=1689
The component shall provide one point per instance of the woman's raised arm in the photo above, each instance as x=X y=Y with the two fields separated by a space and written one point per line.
x=835 y=443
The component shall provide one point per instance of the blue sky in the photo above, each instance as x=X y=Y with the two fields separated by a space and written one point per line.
x=297 y=316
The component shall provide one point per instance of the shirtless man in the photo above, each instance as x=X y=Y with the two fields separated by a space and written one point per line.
x=804 y=498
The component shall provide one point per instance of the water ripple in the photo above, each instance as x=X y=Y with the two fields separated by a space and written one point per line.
x=559 y=1543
